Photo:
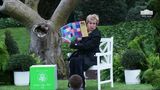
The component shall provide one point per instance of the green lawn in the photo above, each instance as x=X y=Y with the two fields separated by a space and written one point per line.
x=91 y=85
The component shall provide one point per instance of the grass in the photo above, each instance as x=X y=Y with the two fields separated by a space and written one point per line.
x=91 y=85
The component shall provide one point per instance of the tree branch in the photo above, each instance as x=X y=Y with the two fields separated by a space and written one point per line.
x=21 y=12
x=32 y=4
x=63 y=11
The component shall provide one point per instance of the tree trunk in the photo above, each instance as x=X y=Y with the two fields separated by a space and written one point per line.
x=33 y=4
x=45 y=38
x=21 y=12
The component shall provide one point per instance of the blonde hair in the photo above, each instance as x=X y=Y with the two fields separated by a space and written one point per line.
x=92 y=17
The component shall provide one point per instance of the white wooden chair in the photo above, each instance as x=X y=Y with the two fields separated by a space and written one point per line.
x=104 y=61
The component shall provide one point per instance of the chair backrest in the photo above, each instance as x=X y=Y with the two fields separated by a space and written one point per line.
x=106 y=49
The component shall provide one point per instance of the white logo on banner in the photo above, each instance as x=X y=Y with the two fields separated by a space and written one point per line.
x=42 y=77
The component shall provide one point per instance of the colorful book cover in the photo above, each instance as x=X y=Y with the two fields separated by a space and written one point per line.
x=43 y=77
x=73 y=30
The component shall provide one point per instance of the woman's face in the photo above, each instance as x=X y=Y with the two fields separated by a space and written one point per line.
x=91 y=25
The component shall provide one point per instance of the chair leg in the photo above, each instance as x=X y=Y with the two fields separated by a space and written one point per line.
x=85 y=75
x=99 y=79
x=111 y=76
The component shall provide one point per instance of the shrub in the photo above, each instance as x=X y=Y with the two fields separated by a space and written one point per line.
x=9 y=22
x=137 y=43
x=3 y=56
x=11 y=44
x=133 y=59
x=134 y=13
x=20 y=62
x=118 y=68
x=121 y=33
x=37 y=58
x=151 y=75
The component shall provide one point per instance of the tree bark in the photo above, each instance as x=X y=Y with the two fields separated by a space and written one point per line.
x=63 y=11
x=21 y=12
x=32 y=4
x=47 y=47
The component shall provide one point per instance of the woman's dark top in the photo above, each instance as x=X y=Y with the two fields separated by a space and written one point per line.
x=86 y=48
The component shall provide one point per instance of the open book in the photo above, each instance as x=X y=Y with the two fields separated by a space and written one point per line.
x=73 y=31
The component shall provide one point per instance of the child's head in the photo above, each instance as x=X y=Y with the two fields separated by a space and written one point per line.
x=75 y=82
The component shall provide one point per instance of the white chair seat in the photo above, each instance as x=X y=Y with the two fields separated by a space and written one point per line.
x=101 y=67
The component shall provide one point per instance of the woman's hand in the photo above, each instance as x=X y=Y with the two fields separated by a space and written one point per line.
x=78 y=39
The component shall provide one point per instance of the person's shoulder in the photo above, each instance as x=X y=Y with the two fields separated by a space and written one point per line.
x=96 y=32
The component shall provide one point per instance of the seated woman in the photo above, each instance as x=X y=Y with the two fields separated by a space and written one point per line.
x=82 y=59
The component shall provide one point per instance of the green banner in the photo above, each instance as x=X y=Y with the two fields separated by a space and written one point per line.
x=43 y=77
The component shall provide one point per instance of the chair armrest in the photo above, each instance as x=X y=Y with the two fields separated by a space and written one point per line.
x=98 y=55
x=102 y=54
x=98 y=58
